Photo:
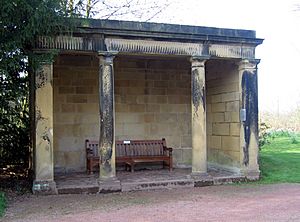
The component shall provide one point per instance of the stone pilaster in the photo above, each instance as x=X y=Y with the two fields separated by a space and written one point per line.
x=43 y=142
x=199 y=144
x=249 y=118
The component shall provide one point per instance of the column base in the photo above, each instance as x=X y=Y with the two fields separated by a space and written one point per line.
x=202 y=179
x=44 y=187
x=251 y=175
x=109 y=185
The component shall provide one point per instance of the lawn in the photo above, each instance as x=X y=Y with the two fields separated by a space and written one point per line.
x=2 y=204
x=280 y=160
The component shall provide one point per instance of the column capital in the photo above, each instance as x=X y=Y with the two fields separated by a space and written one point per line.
x=107 y=56
x=198 y=61
x=248 y=64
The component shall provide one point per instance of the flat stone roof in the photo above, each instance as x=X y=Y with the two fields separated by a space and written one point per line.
x=184 y=33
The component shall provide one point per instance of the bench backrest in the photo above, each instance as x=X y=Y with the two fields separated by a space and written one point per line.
x=92 y=148
x=140 y=148
x=130 y=148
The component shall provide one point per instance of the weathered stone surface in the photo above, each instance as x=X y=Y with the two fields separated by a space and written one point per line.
x=199 y=144
x=43 y=144
x=249 y=128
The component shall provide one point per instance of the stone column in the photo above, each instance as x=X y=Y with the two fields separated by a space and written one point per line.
x=249 y=118
x=43 y=141
x=199 y=149
x=107 y=178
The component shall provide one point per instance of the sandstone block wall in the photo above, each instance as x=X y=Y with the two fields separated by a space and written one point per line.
x=223 y=124
x=75 y=110
x=153 y=101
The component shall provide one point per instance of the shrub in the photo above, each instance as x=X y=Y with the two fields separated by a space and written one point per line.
x=264 y=134
x=2 y=204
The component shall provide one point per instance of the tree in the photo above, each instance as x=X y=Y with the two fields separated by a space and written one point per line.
x=144 y=10
x=21 y=22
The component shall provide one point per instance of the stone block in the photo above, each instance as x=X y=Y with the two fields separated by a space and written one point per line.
x=235 y=129
x=119 y=129
x=137 y=83
x=186 y=141
x=67 y=108
x=166 y=117
x=209 y=128
x=216 y=142
x=179 y=100
x=84 y=90
x=218 y=117
x=177 y=156
x=161 y=84
x=148 y=118
x=76 y=99
x=133 y=129
x=187 y=156
x=161 y=99
x=208 y=108
x=88 y=108
x=160 y=130
x=93 y=98
x=73 y=158
x=233 y=106
x=152 y=76
x=230 y=143
x=235 y=156
x=153 y=108
x=137 y=108
x=232 y=117
x=121 y=108
x=85 y=82
x=66 y=90
x=216 y=98
x=220 y=129
x=218 y=107
x=128 y=117
x=156 y=91
x=233 y=96
x=121 y=83
x=172 y=141
x=135 y=91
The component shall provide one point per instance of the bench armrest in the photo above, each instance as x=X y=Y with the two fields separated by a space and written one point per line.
x=168 y=149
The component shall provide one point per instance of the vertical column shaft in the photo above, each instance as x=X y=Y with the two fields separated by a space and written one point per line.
x=249 y=117
x=107 y=118
x=43 y=155
x=199 y=149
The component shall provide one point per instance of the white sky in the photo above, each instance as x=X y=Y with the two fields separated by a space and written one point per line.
x=275 y=21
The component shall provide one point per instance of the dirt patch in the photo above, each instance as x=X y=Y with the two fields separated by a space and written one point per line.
x=279 y=202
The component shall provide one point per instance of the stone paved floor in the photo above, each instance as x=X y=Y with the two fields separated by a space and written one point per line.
x=85 y=181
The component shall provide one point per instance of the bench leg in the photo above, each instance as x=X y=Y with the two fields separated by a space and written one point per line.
x=132 y=167
x=170 y=165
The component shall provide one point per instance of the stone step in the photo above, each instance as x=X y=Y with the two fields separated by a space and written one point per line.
x=78 y=189
x=151 y=185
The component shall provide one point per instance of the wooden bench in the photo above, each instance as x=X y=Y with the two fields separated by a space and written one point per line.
x=132 y=152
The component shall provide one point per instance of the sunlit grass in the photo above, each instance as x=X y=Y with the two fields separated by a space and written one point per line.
x=280 y=160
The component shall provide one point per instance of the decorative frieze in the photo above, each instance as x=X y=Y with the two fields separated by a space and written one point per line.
x=153 y=47
x=231 y=51
x=133 y=46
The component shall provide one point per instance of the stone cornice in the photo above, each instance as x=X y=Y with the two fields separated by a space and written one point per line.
x=165 y=32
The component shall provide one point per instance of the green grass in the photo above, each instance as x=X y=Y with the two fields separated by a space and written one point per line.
x=280 y=160
x=2 y=204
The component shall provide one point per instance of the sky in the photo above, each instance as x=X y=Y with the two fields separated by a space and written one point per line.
x=278 y=22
